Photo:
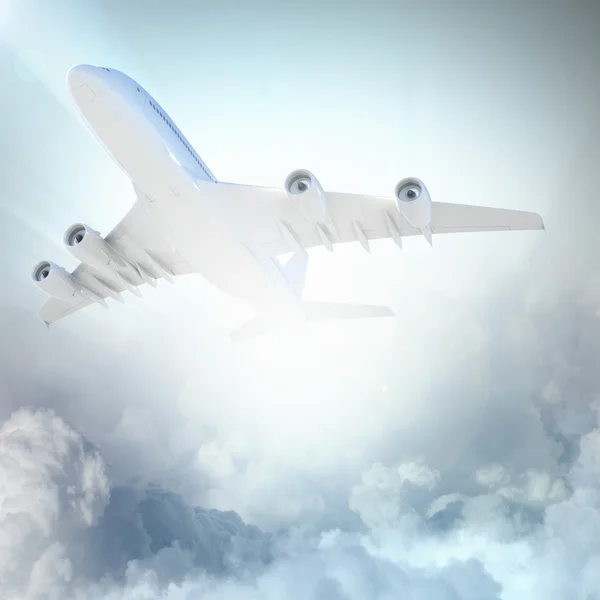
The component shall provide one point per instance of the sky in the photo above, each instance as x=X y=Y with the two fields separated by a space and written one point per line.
x=452 y=453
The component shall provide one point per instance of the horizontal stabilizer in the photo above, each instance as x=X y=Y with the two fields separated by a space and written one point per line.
x=333 y=311
x=259 y=325
x=314 y=312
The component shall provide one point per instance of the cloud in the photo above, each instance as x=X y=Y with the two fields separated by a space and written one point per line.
x=67 y=532
x=503 y=505
x=489 y=488
x=385 y=493
x=54 y=485
x=62 y=524
x=475 y=475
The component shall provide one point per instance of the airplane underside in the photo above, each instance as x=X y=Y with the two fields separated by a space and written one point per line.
x=185 y=221
x=306 y=311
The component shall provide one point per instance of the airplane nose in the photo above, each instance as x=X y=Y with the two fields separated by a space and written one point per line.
x=78 y=75
x=80 y=79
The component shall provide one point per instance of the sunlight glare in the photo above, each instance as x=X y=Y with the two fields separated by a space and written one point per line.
x=5 y=10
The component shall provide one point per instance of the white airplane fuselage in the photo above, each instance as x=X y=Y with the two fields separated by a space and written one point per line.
x=162 y=164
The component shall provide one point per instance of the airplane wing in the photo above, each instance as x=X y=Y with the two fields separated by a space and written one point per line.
x=268 y=223
x=134 y=238
x=268 y=218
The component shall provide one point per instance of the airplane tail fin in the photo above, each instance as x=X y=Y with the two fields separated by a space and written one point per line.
x=314 y=312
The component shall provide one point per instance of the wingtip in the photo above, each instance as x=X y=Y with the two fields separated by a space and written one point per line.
x=540 y=221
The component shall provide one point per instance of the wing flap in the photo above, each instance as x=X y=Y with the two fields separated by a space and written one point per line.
x=54 y=309
x=259 y=212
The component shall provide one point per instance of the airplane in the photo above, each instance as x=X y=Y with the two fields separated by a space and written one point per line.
x=184 y=220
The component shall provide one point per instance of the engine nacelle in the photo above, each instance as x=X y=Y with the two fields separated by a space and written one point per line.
x=90 y=248
x=55 y=281
x=306 y=194
x=60 y=284
x=413 y=202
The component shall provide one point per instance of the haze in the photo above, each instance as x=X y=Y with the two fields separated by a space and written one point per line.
x=452 y=452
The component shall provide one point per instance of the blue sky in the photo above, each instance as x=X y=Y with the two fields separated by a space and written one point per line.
x=450 y=453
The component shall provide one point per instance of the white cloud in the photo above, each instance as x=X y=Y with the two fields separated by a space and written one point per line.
x=380 y=499
x=535 y=488
x=52 y=486
x=490 y=369
x=516 y=515
x=62 y=525
x=589 y=458
x=491 y=475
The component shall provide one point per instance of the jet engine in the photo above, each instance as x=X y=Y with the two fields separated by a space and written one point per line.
x=90 y=248
x=306 y=194
x=55 y=281
x=60 y=284
x=413 y=202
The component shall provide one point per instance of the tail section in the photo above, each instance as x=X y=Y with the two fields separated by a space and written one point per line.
x=256 y=327
x=314 y=312
x=310 y=312
x=334 y=311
